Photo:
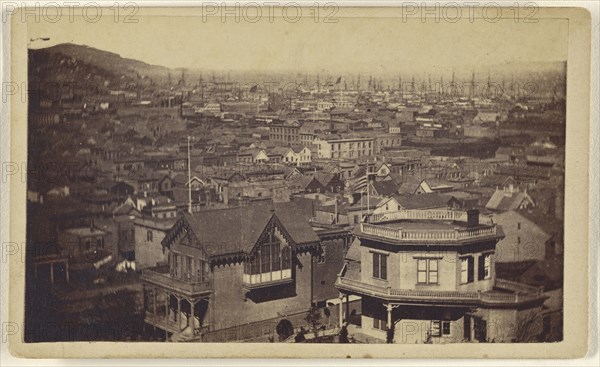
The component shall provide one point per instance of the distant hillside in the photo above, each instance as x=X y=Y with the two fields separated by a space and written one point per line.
x=74 y=73
x=107 y=60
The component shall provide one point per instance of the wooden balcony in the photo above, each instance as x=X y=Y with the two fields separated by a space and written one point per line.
x=428 y=235
x=410 y=296
x=161 y=277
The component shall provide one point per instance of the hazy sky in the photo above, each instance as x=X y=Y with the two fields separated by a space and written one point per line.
x=377 y=45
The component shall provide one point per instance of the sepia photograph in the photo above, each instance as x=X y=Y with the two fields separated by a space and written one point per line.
x=297 y=175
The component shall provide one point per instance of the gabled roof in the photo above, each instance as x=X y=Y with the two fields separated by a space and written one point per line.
x=304 y=181
x=385 y=188
x=125 y=208
x=503 y=200
x=236 y=230
x=324 y=178
x=280 y=150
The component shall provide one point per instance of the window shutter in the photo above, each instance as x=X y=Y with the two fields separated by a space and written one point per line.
x=471 y=269
x=481 y=267
x=383 y=267
x=376 y=265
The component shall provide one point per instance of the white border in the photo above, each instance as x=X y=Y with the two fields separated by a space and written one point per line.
x=592 y=359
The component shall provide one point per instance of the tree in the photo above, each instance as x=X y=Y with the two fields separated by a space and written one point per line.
x=284 y=329
x=313 y=317
x=528 y=328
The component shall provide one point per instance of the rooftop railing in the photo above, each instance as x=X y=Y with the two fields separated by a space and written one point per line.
x=441 y=215
x=402 y=234
x=488 y=297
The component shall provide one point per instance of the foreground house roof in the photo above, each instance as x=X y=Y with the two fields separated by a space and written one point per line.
x=236 y=231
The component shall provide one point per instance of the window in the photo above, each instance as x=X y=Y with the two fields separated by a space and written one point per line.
x=466 y=270
x=519 y=225
x=175 y=266
x=149 y=236
x=427 y=271
x=484 y=268
x=379 y=266
x=188 y=267
x=439 y=328
x=379 y=324
x=321 y=257
x=270 y=257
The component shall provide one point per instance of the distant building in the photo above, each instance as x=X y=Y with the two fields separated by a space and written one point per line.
x=509 y=198
x=149 y=232
x=524 y=240
x=349 y=148
x=288 y=134
x=85 y=246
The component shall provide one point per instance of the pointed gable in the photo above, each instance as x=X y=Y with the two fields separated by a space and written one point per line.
x=238 y=230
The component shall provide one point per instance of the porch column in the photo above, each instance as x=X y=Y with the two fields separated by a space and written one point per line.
x=154 y=301
x=341 y=297
x=52 y=273
x=389 y=315
x=178 y=317
x=167 y=301
x=206 y=322
x=192 y=305
x=347 y=307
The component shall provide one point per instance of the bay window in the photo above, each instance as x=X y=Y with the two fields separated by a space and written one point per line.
x=269 y=263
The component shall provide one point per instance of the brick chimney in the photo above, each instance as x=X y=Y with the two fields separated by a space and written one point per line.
x=472 y=218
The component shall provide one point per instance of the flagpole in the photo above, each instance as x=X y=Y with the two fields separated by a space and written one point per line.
x=368 y=188
x=189 y=177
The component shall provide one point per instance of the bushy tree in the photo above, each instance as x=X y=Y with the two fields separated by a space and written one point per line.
x=313 y=317
x=284 y=329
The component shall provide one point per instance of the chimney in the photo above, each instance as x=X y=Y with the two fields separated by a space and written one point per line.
x=472 y=218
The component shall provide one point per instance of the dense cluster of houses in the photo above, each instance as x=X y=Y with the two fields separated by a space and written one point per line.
x=242 y=212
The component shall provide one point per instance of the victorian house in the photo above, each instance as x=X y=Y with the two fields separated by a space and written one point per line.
x=232 y=267
x=428 y=276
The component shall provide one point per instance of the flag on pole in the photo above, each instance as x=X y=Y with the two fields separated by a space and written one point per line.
x=339 y=80
x=360 y=184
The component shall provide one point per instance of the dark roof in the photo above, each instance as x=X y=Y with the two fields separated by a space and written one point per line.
x=238 y=229
x=385 y=188
x=324 y=178
x=422 y=201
